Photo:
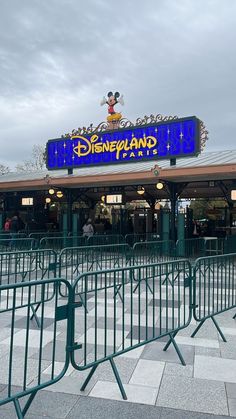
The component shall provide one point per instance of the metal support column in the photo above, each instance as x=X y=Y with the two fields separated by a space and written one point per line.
x=173 y=199
x=69 y=210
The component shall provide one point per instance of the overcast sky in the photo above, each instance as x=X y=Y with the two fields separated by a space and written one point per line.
x=60 y=57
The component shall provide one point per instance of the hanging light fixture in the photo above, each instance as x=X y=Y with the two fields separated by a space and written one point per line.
x=140 y=190
x=159 y=185
x=59 y=194
x=48 y=200
x=51 y=191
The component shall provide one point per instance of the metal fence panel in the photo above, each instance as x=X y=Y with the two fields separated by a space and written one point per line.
x=230 y=244
x=15 y=243
x=190 y=248
x=155 y=304
x=58 y=243
x=153 y=252
x=24 y=266
x=141 y=237
x=214 y=285
x=104 y=239
x=25 y=367
x=77 y=260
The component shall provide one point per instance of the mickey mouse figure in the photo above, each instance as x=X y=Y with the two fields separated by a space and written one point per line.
x=112 y=100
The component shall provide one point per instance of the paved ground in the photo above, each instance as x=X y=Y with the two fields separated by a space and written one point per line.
x=156 y=383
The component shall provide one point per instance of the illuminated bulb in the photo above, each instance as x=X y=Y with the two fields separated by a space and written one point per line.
x=103 y=198
x=51 y=191
x=48 y=200
x=159 y=185
x=59 y=194
x=233 y=194
x=140 y=190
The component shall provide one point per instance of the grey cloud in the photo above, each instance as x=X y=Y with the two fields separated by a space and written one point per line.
x=58 y=58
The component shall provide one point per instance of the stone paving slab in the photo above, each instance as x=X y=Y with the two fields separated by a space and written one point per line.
x=193 y=394
x=151 y=376
x=212 y=368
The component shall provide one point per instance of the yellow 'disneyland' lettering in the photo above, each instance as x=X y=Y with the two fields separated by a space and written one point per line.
x=87 y=146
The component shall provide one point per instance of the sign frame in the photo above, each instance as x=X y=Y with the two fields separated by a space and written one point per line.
x=197 y=142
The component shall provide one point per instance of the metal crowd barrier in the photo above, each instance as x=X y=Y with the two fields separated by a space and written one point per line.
x=15 y=243
x=141 y=318
x=153 y=251
x=58 y=243
x=214 y=288
x=8 y=235
x=141 y=237
x=24 y=266
x=38 y=235
x=24 y=375
x=27 y=265
x=230 y=244
x=75 y=261
x=102 y=239
x=190 y=248
x=157 y=300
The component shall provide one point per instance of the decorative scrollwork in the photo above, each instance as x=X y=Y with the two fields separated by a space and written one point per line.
x=123 y=123
x=203 y=135
x=126 y=123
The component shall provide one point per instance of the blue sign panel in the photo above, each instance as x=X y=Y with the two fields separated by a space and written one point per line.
x=164 y=140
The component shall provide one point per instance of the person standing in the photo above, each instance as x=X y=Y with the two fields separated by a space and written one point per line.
x=88 y=229
x=7 y=225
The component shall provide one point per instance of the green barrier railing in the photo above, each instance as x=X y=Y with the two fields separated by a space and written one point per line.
x=8 y=235
x=27 y=265
x=153 y=251
x=214 y=288
x=41 y=234
x=230 y=244
x=139 y=318
x=75 y=261
x=190 y=248
x=58 y=243
x=15 y=243
x=24 y=375
x=160 y=306
x=100 y=240
x=141 y=237
x=24 y=266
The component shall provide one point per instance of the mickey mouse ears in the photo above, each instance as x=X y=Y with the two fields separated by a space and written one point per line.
x=117 y=94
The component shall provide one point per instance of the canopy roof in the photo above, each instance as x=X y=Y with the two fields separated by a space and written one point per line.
x=192 y=174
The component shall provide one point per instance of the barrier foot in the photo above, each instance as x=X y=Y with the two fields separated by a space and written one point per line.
x=147 y=285
x=22 y=412
x=137 y=286
x=88 y=378
x=83 y=303
x=219 y=329
x=18 y=409
x=234 y=317
x=119 y=382
x=117 y=292
x=169 y=342
x=197 y=328
x=34 y=315
x=177 y=350
x=28 y=403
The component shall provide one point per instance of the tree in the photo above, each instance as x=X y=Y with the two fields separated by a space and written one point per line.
x=201 y=207
x=37 y=161
x=4 y=169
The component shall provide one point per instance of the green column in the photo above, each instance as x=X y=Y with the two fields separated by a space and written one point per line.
x=75 y=224
x=165 y=225
x=181 y=234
